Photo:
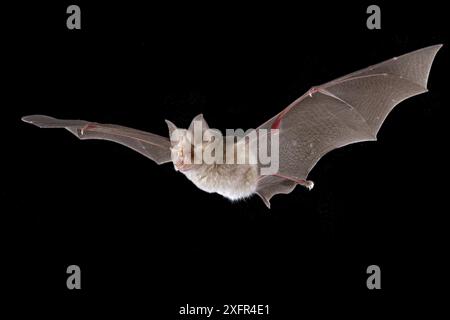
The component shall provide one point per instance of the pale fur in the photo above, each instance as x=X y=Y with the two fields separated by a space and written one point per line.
x=231 y=181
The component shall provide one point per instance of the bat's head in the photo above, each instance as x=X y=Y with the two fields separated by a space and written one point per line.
x=185 y=143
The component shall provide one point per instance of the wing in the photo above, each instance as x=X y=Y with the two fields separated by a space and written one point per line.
x=347 y=110
x=150 y=145
x=268 y=186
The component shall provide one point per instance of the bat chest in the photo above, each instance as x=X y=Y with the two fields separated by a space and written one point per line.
x=231 y=181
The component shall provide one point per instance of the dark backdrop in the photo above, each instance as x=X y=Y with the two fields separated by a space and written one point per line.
x=146 y=239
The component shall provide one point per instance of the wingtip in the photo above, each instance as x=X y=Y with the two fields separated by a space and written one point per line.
x=27 y=119
x=35 y=119
x=438 y=46
x=435 y=47
x=38 y=120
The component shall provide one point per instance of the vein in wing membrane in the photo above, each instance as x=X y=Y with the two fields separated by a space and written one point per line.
x=347 y=110
x=148 y=144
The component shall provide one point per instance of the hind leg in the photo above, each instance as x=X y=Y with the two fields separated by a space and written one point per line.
x=307 y=183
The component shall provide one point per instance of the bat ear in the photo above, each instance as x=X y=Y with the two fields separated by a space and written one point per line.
x=171 y=127
x=201 y=120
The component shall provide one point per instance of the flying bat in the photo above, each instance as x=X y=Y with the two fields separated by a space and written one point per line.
x=347 y=110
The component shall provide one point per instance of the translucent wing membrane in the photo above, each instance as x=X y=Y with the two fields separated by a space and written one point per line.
x=150 y=145
x=347 y=110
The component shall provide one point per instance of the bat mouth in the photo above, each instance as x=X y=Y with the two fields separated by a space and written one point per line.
x=185 y=168
x=181 y=166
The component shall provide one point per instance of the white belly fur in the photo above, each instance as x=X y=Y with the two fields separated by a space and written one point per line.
x=231 y=181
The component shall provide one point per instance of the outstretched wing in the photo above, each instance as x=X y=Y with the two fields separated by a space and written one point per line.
x=150 y=145
x=346 y=110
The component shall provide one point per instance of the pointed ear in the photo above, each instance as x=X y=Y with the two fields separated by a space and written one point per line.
x=199 y=118
x=171 y=127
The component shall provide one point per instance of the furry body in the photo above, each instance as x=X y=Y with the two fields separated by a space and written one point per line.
x=233 y=181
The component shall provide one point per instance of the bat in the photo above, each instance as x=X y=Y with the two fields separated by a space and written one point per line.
x=343 y=111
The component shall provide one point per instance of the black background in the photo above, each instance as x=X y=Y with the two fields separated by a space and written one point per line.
x=148 y=241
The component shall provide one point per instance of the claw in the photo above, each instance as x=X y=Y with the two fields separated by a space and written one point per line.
x=313 y=90
x=87 y=127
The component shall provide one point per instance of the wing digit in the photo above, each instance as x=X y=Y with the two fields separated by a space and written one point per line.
x=148 y=144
